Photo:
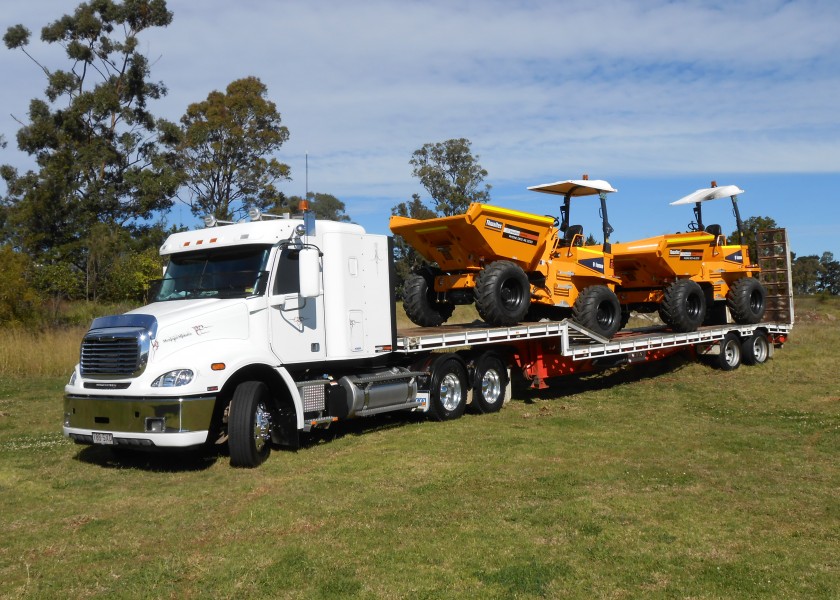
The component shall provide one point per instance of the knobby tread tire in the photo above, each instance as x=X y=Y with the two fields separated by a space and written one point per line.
x=747 y=300
x=419 y=302
x=597 y=308
x=684 y=306
x=502 y=293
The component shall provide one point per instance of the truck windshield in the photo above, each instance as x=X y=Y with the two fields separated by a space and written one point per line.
x=236 y=272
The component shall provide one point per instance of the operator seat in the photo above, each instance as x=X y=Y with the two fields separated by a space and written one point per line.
x=716 y=231
x=571 y=232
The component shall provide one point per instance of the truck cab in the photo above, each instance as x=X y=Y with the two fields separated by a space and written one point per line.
x=244 y=302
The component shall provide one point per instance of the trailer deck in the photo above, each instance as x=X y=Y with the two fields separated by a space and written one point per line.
x=575 y=342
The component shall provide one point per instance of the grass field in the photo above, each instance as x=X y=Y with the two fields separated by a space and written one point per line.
x=673 y=481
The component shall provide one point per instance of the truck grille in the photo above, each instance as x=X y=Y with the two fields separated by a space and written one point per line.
x=106 y=355
x=117 y=346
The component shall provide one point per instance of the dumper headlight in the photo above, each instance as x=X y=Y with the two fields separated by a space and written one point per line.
x=174 y=378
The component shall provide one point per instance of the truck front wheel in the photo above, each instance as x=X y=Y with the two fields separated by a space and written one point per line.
x=249 y=425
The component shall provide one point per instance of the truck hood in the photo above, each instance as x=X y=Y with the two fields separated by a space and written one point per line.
x=183 y=323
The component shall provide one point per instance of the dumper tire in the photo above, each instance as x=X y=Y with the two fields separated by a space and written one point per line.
x=597 y=308
x=502 y=293
x=448 y=388
x=249 y=425
x=490 y=384
x=683 y=308
x=420 y=303
x=747 y=300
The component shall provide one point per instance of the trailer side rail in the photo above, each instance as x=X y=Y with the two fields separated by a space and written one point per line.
x=575 y=341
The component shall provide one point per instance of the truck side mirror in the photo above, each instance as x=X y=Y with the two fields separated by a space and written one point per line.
x=310 y=272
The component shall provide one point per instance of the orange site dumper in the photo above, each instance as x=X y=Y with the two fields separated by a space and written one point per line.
x=692 y=278
x=514 y=265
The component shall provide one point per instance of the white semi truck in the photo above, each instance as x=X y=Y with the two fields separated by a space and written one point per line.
x=264 y=329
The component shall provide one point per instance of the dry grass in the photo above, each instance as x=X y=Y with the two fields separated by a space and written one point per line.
x=40 y=353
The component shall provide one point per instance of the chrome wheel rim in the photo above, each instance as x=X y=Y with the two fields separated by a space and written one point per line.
x=262 y=427
x=450 y=391
x=491 y=386
x=731 y=352
x=759 y=348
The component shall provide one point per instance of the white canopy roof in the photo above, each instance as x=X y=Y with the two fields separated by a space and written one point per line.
x=574 y=187
x=724 y=191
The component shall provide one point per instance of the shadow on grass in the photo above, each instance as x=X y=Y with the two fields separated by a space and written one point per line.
x=367 y=425
x=148 y=460
x=607 y=378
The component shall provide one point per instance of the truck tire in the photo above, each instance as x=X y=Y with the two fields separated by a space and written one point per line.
x=502 y=293
x=597 y=308
x=419 y=300
x=729 y=358
x=490 y=381
x=747 y=300
x=684 y=306
x=249 y=425
x=448 y=390
x=755 y=350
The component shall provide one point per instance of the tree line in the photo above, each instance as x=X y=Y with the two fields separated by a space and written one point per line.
x=85 y=222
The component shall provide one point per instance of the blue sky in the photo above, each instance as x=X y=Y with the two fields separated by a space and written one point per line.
x=657 y=97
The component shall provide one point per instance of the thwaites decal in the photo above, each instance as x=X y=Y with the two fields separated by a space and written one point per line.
x=596 y=264
x=735 y=257
x=493 y=224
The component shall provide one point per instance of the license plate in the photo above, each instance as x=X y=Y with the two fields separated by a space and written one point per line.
x=103 y=438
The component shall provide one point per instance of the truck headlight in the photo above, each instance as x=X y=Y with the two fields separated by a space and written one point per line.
x=174 y=378
x=72 y=381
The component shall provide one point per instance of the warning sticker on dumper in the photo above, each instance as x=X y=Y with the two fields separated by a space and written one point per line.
x=520 y=235
x=687 y=254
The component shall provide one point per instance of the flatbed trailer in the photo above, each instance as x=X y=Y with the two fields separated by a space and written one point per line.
x=262 y=330
x=548 y=349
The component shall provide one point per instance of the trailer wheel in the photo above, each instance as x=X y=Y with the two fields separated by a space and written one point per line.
x=419 y=300
x=729 y=358
x=448 y=391
x=747 y=300
x=755 y=350
x=249 y=425
x=597 y=308
x=684 y=306
x=490 y=383
x=502 y=293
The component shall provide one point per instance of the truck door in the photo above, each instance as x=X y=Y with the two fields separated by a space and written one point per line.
x=296 y=324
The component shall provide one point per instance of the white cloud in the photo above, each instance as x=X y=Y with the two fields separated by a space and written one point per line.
x=544 y=89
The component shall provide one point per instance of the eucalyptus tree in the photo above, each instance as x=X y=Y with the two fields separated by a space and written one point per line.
x=93 y=138
x=226 y=149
